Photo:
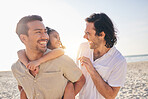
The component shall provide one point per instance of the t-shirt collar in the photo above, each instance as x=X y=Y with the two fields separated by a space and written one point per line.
x=110 y=52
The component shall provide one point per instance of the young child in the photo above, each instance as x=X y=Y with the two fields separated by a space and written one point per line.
x=56 y=46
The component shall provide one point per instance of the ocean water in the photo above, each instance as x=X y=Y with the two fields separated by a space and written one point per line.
x=136 y=58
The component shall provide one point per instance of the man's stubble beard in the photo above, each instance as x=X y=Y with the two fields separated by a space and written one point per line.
x=41 y=50
x=92 y=46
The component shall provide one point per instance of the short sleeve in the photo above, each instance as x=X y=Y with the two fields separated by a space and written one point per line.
x=70 y=69
x=117 y=77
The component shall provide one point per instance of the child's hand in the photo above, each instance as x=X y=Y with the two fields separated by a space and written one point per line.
x=33 y=66
x=35 y=72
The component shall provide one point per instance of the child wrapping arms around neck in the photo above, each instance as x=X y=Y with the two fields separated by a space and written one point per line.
x=33 y=65
x=56 y=46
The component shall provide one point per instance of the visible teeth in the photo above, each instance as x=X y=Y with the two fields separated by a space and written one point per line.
x=42 y=42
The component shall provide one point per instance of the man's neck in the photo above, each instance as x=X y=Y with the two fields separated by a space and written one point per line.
x=33 y=55
x=99 y=52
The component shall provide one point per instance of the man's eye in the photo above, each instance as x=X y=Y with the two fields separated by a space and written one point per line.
x=38 y=32
x=87 y=32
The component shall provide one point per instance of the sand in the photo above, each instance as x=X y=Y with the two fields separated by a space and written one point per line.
x=136 y=85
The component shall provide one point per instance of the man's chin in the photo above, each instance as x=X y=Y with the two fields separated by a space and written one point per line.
x=91 y=47
x=43 y=50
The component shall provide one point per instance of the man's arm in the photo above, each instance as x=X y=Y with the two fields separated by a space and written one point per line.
x=103 y=88
x=79 y=84
x=72 y=73
x=22 y=93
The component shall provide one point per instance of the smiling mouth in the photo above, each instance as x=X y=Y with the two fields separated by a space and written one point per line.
x=43 y=42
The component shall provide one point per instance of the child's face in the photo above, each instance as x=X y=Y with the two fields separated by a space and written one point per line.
x=54 y=40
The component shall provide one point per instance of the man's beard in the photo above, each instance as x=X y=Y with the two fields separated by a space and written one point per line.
x=41 y=50
x=93 y=46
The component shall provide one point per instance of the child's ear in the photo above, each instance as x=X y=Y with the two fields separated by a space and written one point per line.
x=23 y=38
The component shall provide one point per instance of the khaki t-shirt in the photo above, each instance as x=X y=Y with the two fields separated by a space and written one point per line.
x=51 y=80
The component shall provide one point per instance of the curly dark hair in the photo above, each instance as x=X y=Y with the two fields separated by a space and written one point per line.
x=103 y=23
x=22 y=27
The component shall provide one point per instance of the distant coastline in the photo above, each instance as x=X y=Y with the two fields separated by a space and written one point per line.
x=136 y=55
x=136 y=58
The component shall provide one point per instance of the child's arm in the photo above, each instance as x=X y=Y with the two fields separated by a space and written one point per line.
x=22 y=93
x=51 y=55
x=33 y=65
x=22 y=57
x=69 y=92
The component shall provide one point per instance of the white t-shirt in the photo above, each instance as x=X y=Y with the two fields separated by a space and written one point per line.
x=111 y=67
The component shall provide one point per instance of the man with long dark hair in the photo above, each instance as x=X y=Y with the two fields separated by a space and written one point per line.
x=102 y=64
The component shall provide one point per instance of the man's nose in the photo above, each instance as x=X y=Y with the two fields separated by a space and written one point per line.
x=85 y=36
x=45 y=36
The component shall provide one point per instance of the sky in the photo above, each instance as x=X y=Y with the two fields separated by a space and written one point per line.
x=130 y=18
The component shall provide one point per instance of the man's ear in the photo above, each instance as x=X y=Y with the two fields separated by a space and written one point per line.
x=23 y=38
x=102 y=34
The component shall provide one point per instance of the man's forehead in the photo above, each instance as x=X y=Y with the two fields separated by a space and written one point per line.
x=90 y=26
x=36 y=25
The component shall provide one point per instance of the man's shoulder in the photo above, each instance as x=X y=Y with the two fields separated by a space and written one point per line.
x=64 y=58
x=47 y=51
x=15 y=65
x=118 y=56
x=62 y=61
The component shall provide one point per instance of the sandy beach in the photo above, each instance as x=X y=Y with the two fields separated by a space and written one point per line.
x=136 y=85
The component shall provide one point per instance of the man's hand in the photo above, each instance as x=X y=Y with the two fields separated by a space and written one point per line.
x=103 y=88
x=87 y=63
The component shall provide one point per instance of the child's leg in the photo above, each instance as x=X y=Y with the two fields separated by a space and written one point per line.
x=69 y=91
